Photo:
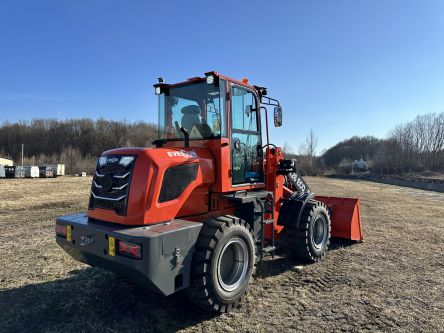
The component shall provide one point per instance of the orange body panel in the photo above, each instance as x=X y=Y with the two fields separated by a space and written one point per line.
x=275 y=184
x=146 y=182
x=220 y=150
x=214 y=176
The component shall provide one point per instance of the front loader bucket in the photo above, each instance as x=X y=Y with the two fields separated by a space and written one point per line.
x=345 y=217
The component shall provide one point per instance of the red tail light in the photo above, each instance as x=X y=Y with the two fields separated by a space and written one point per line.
x=130 y=249
x=61 y=230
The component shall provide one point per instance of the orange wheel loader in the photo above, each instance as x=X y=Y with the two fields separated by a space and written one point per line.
x=201 y=209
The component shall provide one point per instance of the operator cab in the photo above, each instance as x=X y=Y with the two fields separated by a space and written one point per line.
x=200 y=111
x=196 y=107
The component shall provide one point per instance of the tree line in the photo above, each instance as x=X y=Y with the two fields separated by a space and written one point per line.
x=74 y=142
x=416 y=146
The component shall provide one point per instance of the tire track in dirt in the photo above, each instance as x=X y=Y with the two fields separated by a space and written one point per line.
x=302 y=289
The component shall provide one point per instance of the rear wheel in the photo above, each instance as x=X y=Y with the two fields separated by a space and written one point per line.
x=223 y=264
x=312 y=236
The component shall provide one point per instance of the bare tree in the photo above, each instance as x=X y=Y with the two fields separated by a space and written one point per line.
x=417 y=145
x=311 y=142
x=307 y=152
x=287 y=150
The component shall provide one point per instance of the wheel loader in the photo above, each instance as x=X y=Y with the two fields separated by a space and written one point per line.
x=201 y=209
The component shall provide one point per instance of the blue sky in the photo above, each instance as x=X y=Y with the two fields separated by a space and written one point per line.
x=342 y=68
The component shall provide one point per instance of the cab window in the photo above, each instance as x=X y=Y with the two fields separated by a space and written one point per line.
x=244 y=104
x=198 y=107
x=246 y=146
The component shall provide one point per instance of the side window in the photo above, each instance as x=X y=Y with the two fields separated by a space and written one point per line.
x=246 y=148
x=215 y=104
x=243 y=102
x=246 y=162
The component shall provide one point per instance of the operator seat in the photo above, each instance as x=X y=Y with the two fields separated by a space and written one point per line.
x=191 y=116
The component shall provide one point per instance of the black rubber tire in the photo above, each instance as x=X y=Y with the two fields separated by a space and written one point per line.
x=205 y=288
x=303 y=235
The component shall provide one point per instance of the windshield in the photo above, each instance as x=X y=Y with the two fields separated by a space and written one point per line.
x=197 y=107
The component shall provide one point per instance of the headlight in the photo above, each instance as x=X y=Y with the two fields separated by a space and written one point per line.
x=126 y=160
x=102 y=160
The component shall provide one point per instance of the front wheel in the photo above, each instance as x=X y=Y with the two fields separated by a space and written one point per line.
x=312 y=235
x=223 y=264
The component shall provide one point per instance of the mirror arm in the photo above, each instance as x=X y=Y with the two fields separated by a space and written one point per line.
x=269 y=101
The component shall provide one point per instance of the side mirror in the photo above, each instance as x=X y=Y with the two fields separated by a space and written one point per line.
x=277 y=116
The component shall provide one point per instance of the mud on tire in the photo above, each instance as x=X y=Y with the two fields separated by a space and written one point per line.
x=223 y=264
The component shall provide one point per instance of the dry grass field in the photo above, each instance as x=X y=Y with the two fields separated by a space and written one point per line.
x=394 y=281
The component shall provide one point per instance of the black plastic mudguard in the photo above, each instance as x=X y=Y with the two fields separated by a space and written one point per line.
x=291 y=210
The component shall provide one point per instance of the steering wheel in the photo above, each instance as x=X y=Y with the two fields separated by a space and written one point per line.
x=269 y=144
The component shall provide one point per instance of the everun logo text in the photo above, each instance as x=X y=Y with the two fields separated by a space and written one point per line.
x=183 y=153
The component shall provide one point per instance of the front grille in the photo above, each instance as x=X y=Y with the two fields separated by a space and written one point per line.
x=110 y=187
x=176 y=179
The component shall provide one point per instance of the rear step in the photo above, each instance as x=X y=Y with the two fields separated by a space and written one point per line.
x=267 y=209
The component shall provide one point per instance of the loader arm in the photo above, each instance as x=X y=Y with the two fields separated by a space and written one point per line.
x=344 y=212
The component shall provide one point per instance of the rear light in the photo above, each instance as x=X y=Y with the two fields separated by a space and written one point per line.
x=61 y=230
x=130 y=249
x=64 y=231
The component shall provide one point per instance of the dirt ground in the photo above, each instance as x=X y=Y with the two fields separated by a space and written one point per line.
x=394 y=281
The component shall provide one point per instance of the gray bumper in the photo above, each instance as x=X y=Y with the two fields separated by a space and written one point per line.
x=167 y=250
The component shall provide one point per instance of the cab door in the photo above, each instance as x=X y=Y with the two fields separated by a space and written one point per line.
x=246 y=144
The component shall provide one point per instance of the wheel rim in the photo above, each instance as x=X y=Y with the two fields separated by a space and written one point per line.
x=320 y=232
x=232 y=265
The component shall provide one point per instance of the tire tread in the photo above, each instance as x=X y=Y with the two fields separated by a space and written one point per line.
x=200 y=290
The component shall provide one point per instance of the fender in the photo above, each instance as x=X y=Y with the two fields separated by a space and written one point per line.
x=293 y=207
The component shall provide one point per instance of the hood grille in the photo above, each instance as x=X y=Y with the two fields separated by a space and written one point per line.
x=176 y=179
x=110 y=187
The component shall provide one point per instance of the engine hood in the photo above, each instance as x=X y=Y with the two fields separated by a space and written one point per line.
x=159 y=184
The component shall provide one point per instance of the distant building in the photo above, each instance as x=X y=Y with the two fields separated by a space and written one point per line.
x=6 y=162
x=360 y=165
